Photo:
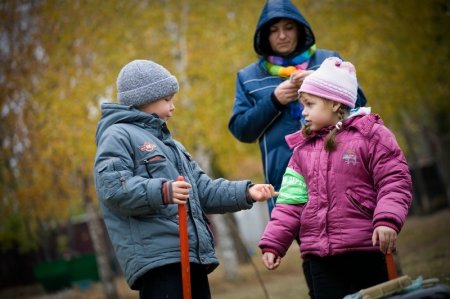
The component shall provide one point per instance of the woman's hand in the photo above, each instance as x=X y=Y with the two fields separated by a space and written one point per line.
x=270 y=260
x=298 y=77
x=386 y=237
x=286 y=92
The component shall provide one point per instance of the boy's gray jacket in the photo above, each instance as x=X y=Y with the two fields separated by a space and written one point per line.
x=135 y=156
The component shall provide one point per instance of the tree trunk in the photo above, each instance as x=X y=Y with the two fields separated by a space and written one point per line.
x=98 y=237
x=437 y=148
x=239 y=246
x=422 y=203
x=176 y=32
x=227 y=248
x=226 y=228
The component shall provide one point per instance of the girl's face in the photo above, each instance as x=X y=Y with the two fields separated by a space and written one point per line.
x=319 y=112
x=283 y=37
x=162 y=107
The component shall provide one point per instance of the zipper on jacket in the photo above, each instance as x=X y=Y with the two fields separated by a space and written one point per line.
x=328 y=202
x=360 y=208
x=265 y=128
x=146 y=168
x=179 y=162
x=194 y=224
x=123 y=182
x=197 y=245
x=191 y=216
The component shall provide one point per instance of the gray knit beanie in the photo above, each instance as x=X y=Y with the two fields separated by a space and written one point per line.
x=143 y=81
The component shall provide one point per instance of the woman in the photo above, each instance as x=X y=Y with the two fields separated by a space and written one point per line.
x=265 y=107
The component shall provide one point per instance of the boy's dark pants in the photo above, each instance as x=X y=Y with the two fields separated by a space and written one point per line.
x=165 y=283
x=344 y=274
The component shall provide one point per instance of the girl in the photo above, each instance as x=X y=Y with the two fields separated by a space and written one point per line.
x=357 y=192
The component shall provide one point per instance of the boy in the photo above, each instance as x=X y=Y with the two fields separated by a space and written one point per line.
x=136 y=167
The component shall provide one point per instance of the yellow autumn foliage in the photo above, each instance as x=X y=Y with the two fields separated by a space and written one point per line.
x=60 y=60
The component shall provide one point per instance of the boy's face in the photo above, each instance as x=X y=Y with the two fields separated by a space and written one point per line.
x=162 y=107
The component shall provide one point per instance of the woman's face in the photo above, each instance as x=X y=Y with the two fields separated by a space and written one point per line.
x=283 y=37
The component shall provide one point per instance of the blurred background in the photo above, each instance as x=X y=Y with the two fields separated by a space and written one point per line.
x=60 y=60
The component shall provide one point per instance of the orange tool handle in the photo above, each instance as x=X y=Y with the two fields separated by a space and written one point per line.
x=391 y=268
x=184 y=248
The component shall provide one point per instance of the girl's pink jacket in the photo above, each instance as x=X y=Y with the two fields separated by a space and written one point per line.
x=363 y=184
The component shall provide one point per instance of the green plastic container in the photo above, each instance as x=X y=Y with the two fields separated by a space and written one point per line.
x=83 y=268
x=61 y=274
x=54 y=275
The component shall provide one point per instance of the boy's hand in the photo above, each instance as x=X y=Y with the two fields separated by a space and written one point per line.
x=270 y=260
x=386 y=237
x=180 y=192
x=262 y=192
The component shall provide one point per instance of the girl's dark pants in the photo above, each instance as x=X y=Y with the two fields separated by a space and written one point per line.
x=308 y=278
x=344 y=274
x=165 y=283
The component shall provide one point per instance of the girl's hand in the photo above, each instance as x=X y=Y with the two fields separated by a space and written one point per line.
x=180 y=192
x=271 y=261
x=262 y=192
x=386 y=237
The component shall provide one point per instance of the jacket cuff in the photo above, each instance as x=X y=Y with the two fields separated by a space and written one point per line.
x=248 y=197
x=271 y=250
x=167 y=193
x=275 y=102
x=388 y=224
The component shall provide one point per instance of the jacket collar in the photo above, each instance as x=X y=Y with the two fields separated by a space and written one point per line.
x=361 y=122
x=113 y=113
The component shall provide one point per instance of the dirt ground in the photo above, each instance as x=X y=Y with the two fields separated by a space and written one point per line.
x=423 y=246
x=423 y=250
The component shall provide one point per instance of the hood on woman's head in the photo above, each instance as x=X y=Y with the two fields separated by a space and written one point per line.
x=272 y=12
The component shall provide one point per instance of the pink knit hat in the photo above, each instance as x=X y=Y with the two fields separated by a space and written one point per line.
x=334 y=80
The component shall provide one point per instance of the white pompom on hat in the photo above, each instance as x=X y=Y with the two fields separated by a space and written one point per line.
x=334 y=80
